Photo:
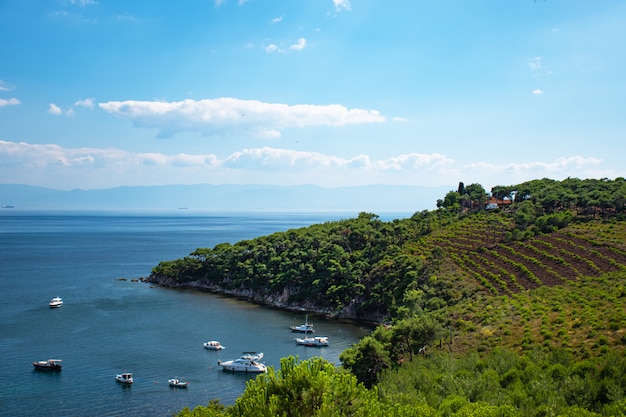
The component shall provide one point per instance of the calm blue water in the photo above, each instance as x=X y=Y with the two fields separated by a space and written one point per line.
x=108 y=326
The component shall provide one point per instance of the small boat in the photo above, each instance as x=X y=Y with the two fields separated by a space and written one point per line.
x=49 y=365
x=56 y=302
x=317 y=341
x=125 y=378
x=248 y=363
x=304 y=328
x=177 y=383
x=213 y=345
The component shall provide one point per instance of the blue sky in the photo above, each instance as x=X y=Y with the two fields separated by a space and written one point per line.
x=105 y=93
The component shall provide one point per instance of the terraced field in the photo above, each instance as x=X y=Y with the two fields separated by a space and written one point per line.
x=584 y=250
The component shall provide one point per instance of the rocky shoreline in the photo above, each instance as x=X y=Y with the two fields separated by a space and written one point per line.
x=279 y=301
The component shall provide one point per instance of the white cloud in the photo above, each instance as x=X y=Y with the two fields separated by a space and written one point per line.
x=55 y=110
x=88 y=103
x=273 y=48
x=537 y=92
x=96 y=167
x=342 y=5
x=230 y=115
x=5 y=86
x=561 y=168
x=67 y=168
x=83 y=2
x=414 y=161
x=125 y=17
x=298 y=46
x=54 y=166
x=277 y=19
x=535 y=63
x=9 y=102
x=218 y=3
x=274 y=159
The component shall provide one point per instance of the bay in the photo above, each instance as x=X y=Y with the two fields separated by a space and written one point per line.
x=110 y=324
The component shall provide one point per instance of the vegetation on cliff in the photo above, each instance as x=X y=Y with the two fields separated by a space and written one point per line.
x=354 y=267
x=519 y=309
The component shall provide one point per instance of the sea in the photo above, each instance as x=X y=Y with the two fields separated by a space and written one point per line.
x=111 y=322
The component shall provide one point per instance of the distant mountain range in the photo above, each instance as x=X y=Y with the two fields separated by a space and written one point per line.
x=371 y=198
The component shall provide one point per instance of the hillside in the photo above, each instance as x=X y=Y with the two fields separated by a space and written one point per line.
x=542 y=276
x=562 y=289
x=509 y=303
x=479 y=248
x=444 y=263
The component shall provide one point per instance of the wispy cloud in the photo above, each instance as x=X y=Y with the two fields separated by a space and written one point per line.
x=230 y=115
x=125 y=17
x=218 y=3
x=55 y=110
x=537 y=92
x=98 y=167
x=342 y=5
x=572 y=166
x=9 y=102
x=277 y=19
x=87 y=102
x=83 y=2
x=109 y=167
x=6 y=86
x=535 y=63
x=298 y=46
x=272 y=47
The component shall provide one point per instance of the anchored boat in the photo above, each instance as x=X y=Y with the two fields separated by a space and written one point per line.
x=248 y=362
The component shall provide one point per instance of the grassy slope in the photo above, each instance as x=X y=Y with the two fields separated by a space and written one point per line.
x=565 y=289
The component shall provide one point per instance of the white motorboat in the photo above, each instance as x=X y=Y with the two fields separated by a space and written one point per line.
x=317 y=341
x=48 y=365
x=177 y=383
x=248 y=363
x=304 y=328
x=56 y=302
x=125 y=378
x=213 y=345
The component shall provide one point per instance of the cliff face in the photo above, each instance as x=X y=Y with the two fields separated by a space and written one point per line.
x=275 y=300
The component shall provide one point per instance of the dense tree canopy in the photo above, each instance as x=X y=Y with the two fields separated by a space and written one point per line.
x=499 y=384
x=355 y=263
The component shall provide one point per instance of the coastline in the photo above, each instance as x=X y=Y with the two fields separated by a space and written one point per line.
x=276 y=301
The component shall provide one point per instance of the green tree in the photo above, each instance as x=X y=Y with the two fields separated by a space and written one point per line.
x=366 y=360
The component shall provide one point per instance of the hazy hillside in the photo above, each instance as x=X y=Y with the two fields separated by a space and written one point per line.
x=227 y=197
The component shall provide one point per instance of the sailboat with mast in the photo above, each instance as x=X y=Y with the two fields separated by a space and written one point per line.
x=316 y=341
x=303 y=328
